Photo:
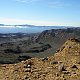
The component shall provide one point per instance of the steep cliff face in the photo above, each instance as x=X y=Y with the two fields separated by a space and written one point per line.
x=63 y=65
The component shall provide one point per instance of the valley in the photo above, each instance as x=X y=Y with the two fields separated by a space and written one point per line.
x=50 y=55
x=15 y=47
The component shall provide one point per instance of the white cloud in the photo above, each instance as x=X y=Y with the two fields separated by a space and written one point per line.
x=22 y=27
x=58 y=3
x=48 y=3
x=26 y=1
x=7 y=26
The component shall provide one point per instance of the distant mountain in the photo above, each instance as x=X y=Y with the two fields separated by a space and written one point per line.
x=27 y=25
x=1 y=24
x=26 y=28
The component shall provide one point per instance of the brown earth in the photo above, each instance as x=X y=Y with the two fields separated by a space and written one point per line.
x=63 y=65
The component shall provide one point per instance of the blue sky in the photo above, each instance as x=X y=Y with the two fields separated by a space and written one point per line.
x=40 y=12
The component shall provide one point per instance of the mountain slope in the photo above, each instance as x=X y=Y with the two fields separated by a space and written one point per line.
x=69 y=51
x=57 y=37
x=64 y=65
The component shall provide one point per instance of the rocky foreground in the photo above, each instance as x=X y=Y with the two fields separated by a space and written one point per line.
x=63 y=65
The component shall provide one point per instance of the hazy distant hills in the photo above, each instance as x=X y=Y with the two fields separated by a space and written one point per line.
x=27 y=25
x=26 y=28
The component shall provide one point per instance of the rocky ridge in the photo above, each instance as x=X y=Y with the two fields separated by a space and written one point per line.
x=63 y=65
